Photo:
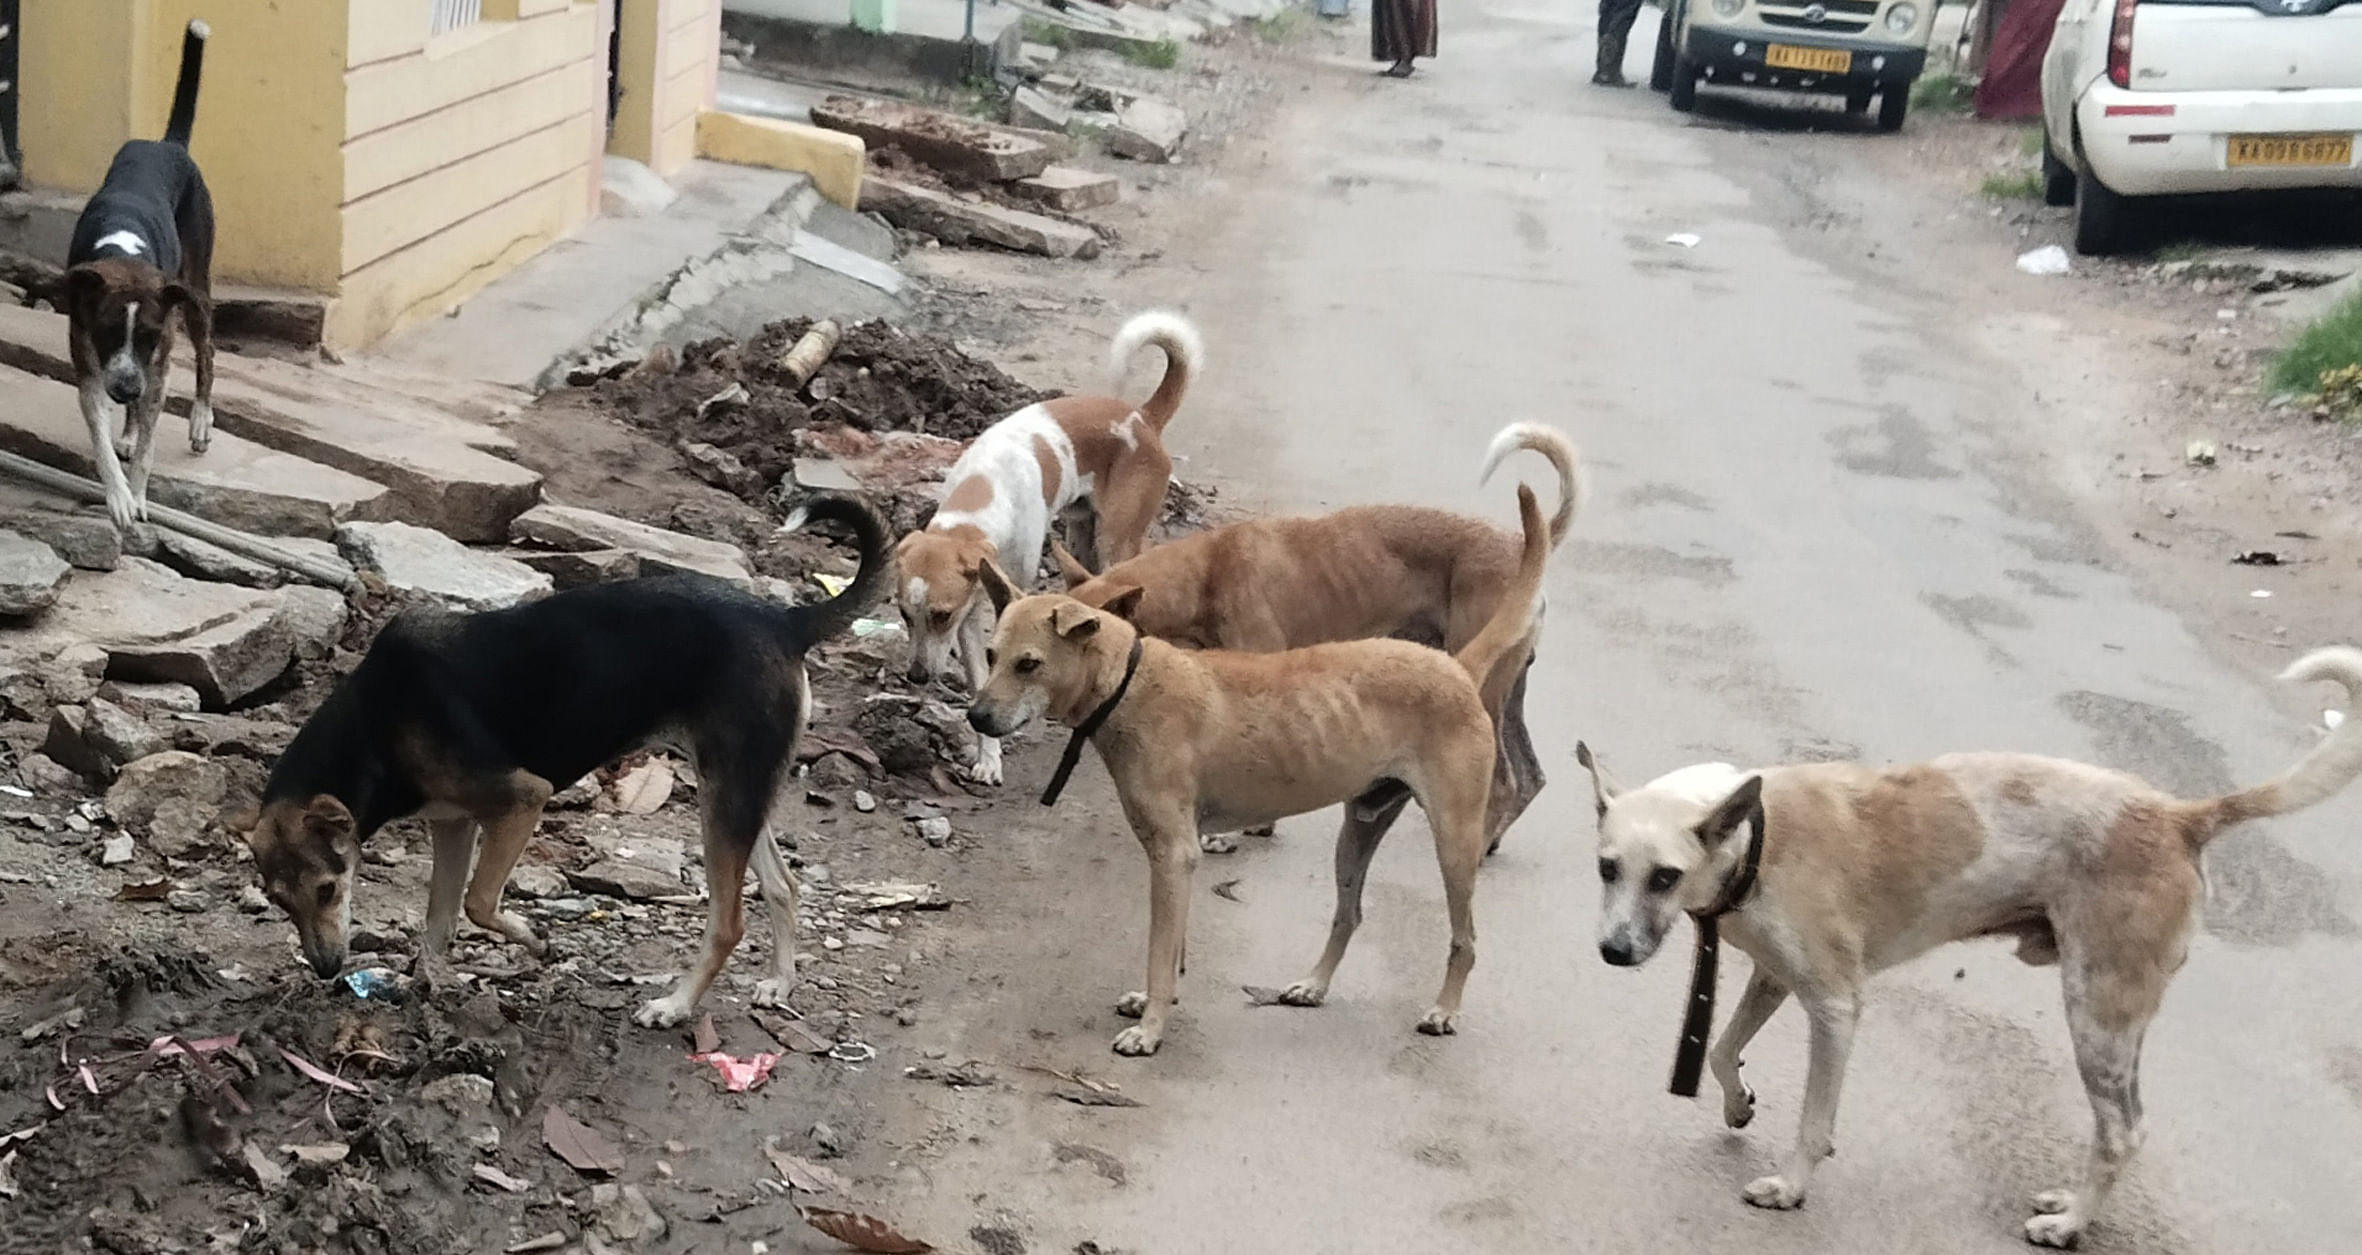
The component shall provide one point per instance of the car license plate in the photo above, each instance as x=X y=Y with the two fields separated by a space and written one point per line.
x=1817 y=60
x=2292 y=150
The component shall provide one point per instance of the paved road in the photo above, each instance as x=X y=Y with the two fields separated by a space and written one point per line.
x=1798 y=547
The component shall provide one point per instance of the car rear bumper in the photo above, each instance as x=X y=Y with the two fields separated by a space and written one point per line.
x=2174 y=143
x=1736 y=59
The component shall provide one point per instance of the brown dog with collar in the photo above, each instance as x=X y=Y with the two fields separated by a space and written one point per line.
x=1203 y=739
x=1390 y=570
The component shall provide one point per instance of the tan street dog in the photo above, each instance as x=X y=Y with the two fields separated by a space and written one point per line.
x=1094 y=463
x=1859 y=869
x=1284 y=583
x=1200 y=740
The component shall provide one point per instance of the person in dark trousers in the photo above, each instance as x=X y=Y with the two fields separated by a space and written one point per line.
x=1401 y=30
x=1615 y=28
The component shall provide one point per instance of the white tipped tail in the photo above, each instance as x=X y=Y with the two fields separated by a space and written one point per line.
x=1564 y=458
x=2323 y=772
x=1184 y=354
x=796 y=519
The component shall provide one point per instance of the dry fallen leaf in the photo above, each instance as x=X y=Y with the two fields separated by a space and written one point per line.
x=490 y=1175
x=579 y=1144
x=1228 y=889
x=862 y=1233
x=643 y=789
x=146 y=891
x=793 y=1035
x=1083 y=1097
x=802 y=1174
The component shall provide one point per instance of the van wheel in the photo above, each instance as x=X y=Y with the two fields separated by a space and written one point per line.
x=2058 y=182
x=1894 y=100
x=1660 y=74
x=2103 y=219
x=1857 y=100
x=1684 y=88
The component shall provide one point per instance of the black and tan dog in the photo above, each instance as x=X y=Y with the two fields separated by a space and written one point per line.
x=472 y=720
x=142 y=252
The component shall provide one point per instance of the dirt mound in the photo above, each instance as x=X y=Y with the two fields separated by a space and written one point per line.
x=735 y=397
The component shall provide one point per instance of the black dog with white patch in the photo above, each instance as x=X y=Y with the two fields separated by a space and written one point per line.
x=142 y=252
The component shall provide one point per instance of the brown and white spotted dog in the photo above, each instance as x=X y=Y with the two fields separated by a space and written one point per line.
x=1095 y=464
x=1863 y=868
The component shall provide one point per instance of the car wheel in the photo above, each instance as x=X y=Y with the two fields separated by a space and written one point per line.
x=1660 y=74
x=1684 y=89
x=2058 y=182
x=1857 y=99
x=2103 y=219
x=1894 y=100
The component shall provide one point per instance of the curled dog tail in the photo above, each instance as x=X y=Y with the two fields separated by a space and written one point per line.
x=184 y=93
x=2320 y=775
x=1513 y=619
x=1552 y=444
x=1184 y=352
x=819 y=622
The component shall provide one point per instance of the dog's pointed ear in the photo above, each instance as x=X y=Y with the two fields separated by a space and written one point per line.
x=327 y=817
x=1074 y=621
x=1731 y=816
x=242 y=818
x=996 y=585
x=1126 y=604
x=83 y=284
x=1069 y=568
x=1604 y=788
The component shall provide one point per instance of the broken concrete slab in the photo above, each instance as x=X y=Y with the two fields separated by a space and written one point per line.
x=1038 y=110
x=235 y=482
x=199 y=560
x=421 y=560
x=144 y=622
x=68 y=745
x=1067 y=189
x=641 y=867
x=1147 y=129
x=946 y=142
x=822 y=475
x=629 y=188
x=576 y=530
x=169 y=797
x=83 y=535
x=118 y=735
x=315 y=617
x=30 y=575
x=148 y=699
x=956 y=221
x=575 y=570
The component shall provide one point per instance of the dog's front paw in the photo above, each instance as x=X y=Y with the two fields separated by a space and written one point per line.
x=514 y=927
x=200 y=425
x=1304 y=993
x=662 y=1012
x=985 y=770
x=432 y=972
x=1774 y=1193
x=125 y=509
x=2054 y=1231
x=1138 y=1041
x=1438 y=1023
x=1217 y=842
x=1738 y=1107
x=2053 y=1202
x=772 y=992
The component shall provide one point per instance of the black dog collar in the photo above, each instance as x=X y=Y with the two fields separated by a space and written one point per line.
x=1090 y=724
x=1689 y=1059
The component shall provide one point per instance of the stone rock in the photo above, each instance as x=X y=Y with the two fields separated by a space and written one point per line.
x=834 y=773
x=68 y=745
x=145 y=622
x=864 y=801
x=47 y=777
x=1147 y=129
x=622 y=1215
x=1038 y=110
x=86 y=541
x=463 y=1094
x=74 y=674
x=426 y=562
x=947 y=142
x=955 y=221
x=574 y=530
x=30 y=575
x=234 y=735
x=721 y=468
x=936 y=831
x=200 y=560
x=823 y=475
x=171 y=798
x=223 y=663
x=1067 y=189
x=644 y=867
x=314 y=617
x=116 y=851
x=537 y=880
x=187 y=901
x=147 y=699
x=903 y=746
x=117 y=734
x=575 y=570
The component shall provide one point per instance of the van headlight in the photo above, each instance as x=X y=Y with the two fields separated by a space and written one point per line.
x=1901 y=18
x=1728 y=8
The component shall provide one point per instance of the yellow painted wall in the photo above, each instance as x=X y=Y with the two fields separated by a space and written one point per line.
x=833 y=158
x=75 y=65
x=668 y=61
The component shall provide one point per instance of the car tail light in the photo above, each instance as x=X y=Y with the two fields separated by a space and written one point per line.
x=2120 y=44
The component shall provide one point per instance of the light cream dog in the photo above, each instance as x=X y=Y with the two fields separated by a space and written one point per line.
x=1094 y=463
x=1863 y=868
x=1215 y=739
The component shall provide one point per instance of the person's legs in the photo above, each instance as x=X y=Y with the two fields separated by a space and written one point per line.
x=1615 y=29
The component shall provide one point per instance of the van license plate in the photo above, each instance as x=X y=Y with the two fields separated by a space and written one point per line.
x=2292 y=150
x=1817 y=60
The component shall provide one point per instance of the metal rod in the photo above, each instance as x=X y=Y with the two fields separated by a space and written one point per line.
x=235 y=541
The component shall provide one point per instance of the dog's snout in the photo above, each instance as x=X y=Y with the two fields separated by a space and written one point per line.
x=981 y=719
x=1619 y=951
x=125 y=389
x=919 y=673
x=326 y=966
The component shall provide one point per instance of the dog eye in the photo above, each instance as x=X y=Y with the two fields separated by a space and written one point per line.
x=327 y=894
x=1027 y=666
x=939 y=617
x=1663 y=879
x=1608 y=871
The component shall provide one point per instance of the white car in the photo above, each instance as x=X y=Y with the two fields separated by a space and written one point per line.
x=2173 y=97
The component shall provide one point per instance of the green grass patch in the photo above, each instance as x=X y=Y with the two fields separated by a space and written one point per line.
x=2022 y=185
x=1942 y=93
x=1282 y=27
x=1164 y=54
x=2030 y=143
x=1050 y=33
x=2181 y=250
x=2325 y=359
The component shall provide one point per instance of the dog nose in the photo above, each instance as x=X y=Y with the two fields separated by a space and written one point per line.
x=124 y=391
x=1618 y=952
x=327 y=966
x=980 y=720
x=918 y=674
